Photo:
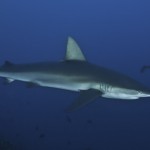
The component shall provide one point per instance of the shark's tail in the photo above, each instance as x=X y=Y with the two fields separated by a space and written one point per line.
x=143 y=68
x=2 y=69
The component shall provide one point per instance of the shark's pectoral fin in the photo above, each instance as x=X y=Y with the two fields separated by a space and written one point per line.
x=85 y=97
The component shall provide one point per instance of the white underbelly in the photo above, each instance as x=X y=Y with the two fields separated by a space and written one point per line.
x=119 y=96
x=66 y=86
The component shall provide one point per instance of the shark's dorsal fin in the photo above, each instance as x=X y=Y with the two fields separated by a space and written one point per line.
x=73 y=51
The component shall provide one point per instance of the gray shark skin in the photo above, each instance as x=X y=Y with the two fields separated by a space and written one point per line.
x=75 y=73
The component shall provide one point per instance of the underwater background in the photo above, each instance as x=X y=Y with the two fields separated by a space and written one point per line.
x=111 y=33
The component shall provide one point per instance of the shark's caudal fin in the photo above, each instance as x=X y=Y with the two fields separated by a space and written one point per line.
x=73 y=51
x=85 y=97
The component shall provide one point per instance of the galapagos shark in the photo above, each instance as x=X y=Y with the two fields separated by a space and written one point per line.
x=75 y=73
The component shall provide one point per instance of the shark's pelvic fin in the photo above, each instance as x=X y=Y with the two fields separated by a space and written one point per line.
x=73 y=51
x=85 y=97
x=8 y=80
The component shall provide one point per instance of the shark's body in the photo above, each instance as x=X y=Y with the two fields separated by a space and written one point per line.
x=76 y=74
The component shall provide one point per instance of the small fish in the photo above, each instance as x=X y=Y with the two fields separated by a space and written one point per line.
x=88 y=148
x=68 y=119
x=69 y=143
x=37 y=128
x=42 y=135
x=17 y=134
x=144 y=68
x=89 y=121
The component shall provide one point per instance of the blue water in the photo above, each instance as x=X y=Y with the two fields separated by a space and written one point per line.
x=115 y=34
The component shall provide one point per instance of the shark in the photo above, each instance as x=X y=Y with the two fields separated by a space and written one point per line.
x=76 y=73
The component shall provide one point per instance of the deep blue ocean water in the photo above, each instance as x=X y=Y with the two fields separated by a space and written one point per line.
x=115 y=34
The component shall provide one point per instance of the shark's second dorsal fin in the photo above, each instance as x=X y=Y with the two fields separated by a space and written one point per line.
x=73 y=51
x=8 y=64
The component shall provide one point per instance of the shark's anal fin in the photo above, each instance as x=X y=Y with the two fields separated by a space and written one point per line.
x=73 y=51
x=85 y=97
